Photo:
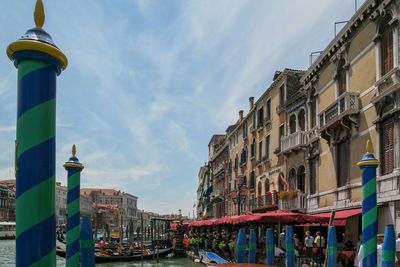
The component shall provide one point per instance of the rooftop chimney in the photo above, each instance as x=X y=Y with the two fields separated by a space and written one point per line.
x=241 y=115
x=277 y=73
x=251 y=102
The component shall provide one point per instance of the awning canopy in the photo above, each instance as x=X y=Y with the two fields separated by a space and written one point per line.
x=267 y=217
x=341 y=216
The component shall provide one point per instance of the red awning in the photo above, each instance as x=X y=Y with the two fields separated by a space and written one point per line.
x=335 y=223
x=291 y=217
x=343 y=214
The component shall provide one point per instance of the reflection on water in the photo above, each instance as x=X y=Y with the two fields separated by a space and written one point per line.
x=7 y=258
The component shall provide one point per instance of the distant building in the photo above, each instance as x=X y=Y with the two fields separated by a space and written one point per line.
x=3 y=203
x=61 y=204
x=8 y=199
x=123 y=200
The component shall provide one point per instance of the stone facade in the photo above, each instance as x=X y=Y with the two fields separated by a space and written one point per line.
x=318 y=122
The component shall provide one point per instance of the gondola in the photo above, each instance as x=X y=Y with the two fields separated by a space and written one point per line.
x=116 y=258
x=210 y=258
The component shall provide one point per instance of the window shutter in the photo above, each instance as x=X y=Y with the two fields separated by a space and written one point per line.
x=343 y=163
x=387 y=146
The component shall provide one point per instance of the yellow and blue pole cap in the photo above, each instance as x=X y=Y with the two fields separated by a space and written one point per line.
x=37 y=44
x=73 y=161
x=368 y=158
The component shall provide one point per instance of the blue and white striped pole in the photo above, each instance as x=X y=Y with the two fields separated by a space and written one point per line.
x=252 y=247
x=270 y=247
x=389 y=247
x=241 y=247
x=289 y=247
x=332 y=247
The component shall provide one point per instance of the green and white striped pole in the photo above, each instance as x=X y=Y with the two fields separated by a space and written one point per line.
x=368 y=165
x=74 y=168
x=38 y=61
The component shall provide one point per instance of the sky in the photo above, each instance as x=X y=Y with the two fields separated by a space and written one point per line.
x=149 y=82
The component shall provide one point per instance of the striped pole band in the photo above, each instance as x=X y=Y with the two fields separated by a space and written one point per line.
x=86 y=243
x=241 y=247
x=252 y=247
x=368 y=165
x=289 y=247
x=389 y=247
x=270 y=247
x=332 y=247
x=74 y=168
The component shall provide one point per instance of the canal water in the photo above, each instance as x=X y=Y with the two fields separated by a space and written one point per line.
x=7 y=258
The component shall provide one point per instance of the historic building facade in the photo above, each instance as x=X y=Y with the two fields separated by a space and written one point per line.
x=304 y=136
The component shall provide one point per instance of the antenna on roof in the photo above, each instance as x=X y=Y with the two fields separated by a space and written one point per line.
x=340 y=22
x=313 y=54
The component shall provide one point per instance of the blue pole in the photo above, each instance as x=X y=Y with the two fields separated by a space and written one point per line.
x=389 y=247
x=289 y=247
x=332 y=247
x=241 y=247
x=252 y=247
x=38 y=61
x=86 y=243
x=270 y=247
x=368 y=165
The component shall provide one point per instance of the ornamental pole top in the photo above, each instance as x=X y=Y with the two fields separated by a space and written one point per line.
x=368 y=147
x=38 y=15
x=73 y=150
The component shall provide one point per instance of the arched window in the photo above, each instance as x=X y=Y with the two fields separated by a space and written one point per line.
x=341 y=76
x=292 y=179
x=267 y=189
x=302 y=120
x=259 y=188
x=386 y=49
x=301 y=178
x=292 y=124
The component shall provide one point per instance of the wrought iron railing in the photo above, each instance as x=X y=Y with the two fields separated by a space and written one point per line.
x=293 y=140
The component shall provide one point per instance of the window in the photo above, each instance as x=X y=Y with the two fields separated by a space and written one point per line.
x=386 y=48
x=260 y=116
x=301 y=178
x=252 y=179
x=281 y=133
x=268 y=109
x=260 y=149
x=387 y=144
x=259 y=189
x=267 y=141
x=244 y=129
x=253 y=149
x=254 y=119
x=313 y=112
x=313 y=175
x=292 y=124
x=236 y=161
x=302 y=120
x=282 y=95
x=342 y=163
x=266 y=185
x=243 y=156
x=341 y=77
x=292 y=179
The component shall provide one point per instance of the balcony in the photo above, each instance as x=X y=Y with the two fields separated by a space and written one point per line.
x=218 y=168
x=387 y=84
x=265 y=202
x=346 y=105
x=297 y=202
x=294 y=141
x=217 y=195
x=388 y=186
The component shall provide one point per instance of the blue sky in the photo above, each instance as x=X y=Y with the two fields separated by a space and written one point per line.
x=149 y=82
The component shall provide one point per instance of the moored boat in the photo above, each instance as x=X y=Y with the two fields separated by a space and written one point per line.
x=7 y=230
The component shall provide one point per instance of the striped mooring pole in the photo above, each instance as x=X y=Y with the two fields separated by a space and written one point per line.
x=389 y=247
x=38 y=61
x=241 y=247
x=332 y=247
x=74 y=168
x=289 y=247
x=368 y=165
x=270 y=247
x=252 y=247
x=86 y=243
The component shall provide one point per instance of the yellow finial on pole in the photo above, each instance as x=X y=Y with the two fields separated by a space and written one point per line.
x=73 y=150
x=38 y=15
x=368 y=147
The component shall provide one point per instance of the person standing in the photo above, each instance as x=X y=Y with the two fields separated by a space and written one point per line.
x=309 y=242
x=283 y=239
x=319 y=244
x=398 y=250
x=379 y=249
